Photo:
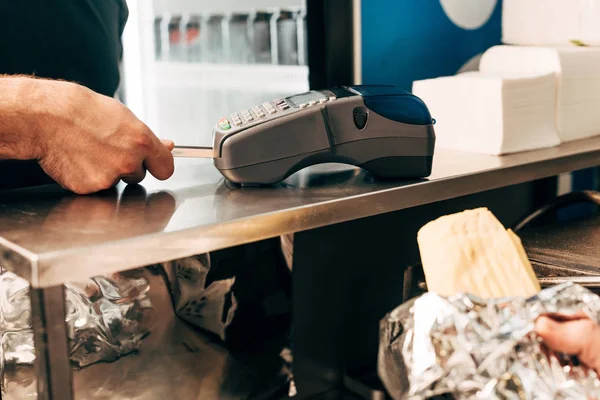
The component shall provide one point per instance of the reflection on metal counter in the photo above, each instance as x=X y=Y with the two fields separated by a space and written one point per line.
x=475 y=348
x=103 y=317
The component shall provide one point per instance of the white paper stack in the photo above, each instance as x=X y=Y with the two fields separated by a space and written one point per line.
x=550 y=22
x=492 y=113
x=577 y=71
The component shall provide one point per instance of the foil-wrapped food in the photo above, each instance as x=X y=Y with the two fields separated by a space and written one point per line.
x=465 y=347
x=103 y=319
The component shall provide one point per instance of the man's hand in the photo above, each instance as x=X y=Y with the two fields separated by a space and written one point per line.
x=85 y=141
x=580 y=337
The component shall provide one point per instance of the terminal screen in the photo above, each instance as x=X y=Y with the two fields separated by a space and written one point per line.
x=305 y=97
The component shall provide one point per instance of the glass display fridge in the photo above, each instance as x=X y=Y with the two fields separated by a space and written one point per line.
x=189 y=62
x=156 y=332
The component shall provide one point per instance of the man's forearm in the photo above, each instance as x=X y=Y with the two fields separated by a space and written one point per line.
x=19 y=100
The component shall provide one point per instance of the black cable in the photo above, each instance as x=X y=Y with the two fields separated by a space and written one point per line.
x=586 y=196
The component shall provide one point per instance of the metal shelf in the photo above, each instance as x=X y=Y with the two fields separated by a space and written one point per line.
x=47 y=239
x=175 y=361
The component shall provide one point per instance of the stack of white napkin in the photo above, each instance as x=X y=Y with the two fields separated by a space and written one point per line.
x=550 y=22
x=577 y=73
x=491 y=114
x=523 y=97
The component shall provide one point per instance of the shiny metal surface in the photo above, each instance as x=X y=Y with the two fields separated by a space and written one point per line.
x=52 y=367
x=175 y=361
x=50 y=237
x=590 y=282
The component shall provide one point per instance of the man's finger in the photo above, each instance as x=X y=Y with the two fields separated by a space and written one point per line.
x=159 y=161
x=579 y=337
x=136 y=177
x=169 y=143
x=564 y=318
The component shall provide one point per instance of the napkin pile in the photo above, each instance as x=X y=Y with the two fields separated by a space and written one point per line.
x=490 y=113
x=577 y=74
x=524 y=97
x=550 y=22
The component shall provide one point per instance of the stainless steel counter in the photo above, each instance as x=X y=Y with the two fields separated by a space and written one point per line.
x=50 y=237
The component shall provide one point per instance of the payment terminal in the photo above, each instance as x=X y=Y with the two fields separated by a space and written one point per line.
x=382 y=129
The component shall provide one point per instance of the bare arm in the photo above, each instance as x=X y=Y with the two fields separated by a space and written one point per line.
x=18 y=131
x=84 y=141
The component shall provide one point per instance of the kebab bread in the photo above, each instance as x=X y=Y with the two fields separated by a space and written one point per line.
x=471 y=252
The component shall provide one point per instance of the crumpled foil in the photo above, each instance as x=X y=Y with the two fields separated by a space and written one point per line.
x=470 y=348
x=207 y=305
x=103 y=319
x=242 y=296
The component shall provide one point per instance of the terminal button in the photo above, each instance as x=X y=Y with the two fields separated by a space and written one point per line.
x=361 y=117
x=224 y=124
x=270 y=109
x=259 y=113
x=236 y=119
x=283 y=105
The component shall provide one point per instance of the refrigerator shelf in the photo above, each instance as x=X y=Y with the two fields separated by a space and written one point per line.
x=209 y=6
x=265 y=78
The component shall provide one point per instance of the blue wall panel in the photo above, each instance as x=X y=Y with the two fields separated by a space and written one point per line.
x=407 y=40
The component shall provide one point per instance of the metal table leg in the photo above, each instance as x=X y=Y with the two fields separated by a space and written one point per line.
x=52 y=366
